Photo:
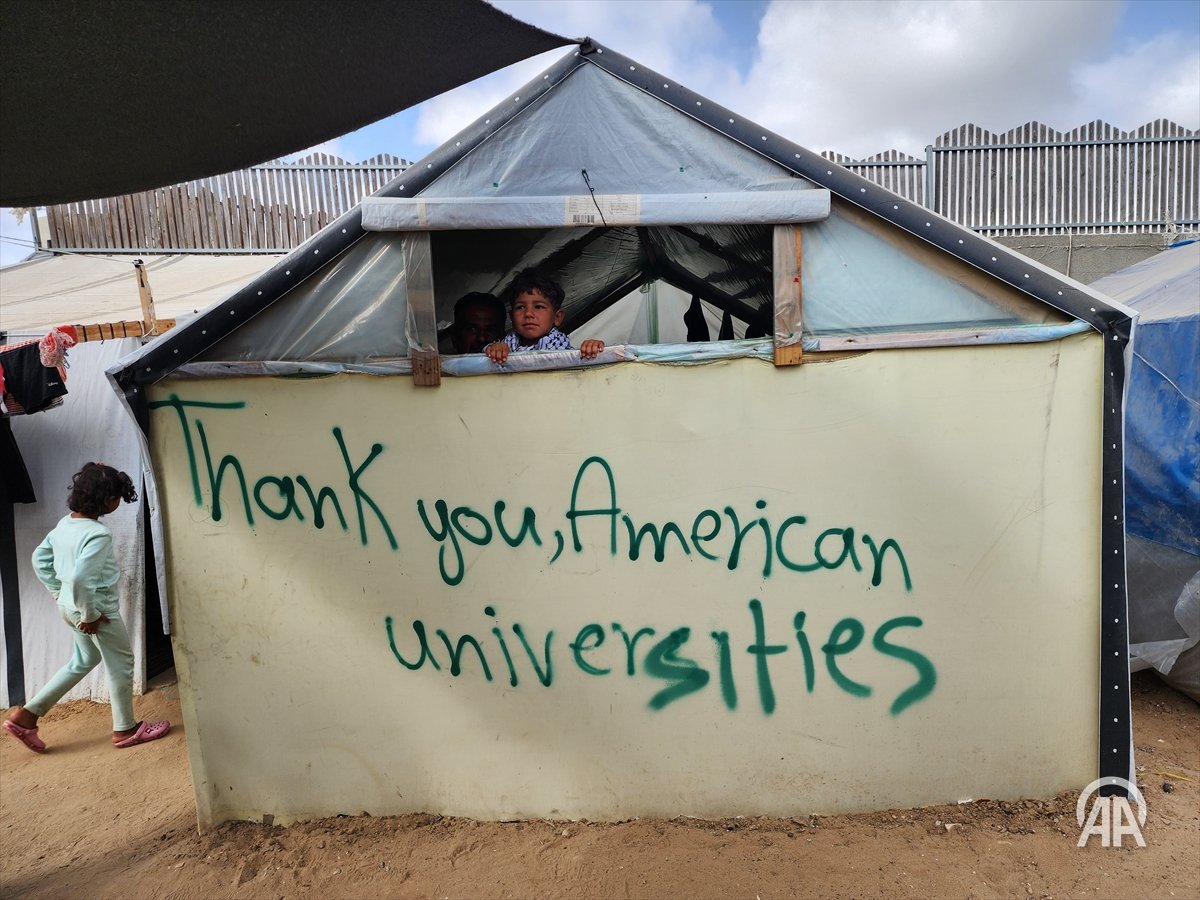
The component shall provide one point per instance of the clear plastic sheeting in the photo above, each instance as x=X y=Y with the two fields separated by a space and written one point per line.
x=351 y=311
x=907 y=285
x=627 y=141
x=727 y=265
x=1164 y=618
x=677 y=352
x=421 y=322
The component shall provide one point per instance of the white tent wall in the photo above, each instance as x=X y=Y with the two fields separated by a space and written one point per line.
x=91 y=425
x=296 y=613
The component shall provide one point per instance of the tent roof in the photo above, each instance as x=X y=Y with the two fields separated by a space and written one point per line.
x=735 y=151
x=50 y=290
x=1164 y=286
x=108 y=97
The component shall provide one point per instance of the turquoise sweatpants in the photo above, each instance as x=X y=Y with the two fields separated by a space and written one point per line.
x=109 y=644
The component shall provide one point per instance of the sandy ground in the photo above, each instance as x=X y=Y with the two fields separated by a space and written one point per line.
x=89 y=821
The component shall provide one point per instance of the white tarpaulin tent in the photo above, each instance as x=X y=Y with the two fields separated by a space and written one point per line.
x=874 y=558
x=50 y=289
x=54 y=444
x=36 y=295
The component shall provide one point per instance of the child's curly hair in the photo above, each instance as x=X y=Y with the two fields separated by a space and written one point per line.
x=94 y=485
x=531 y=280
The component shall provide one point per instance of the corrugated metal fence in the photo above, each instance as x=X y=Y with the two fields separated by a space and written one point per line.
x=1031 y=180
x=1034 y=180
x=267 y=208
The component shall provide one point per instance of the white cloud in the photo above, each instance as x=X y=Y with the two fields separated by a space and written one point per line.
x=871 y=76
x=679 y=38
x=444 y=116
x=863 y=77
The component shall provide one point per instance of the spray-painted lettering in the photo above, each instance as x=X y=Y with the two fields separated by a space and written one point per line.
x=676 y=664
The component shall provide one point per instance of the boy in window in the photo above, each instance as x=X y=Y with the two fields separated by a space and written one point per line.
x=536 y=314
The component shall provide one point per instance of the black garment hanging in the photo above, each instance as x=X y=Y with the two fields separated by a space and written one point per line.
x=697 y=328
x=14 y=477
x=27 y=381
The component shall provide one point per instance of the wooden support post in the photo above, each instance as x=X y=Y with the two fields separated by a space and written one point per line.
x=426 y=368
x=789 y=349
x=149 y=320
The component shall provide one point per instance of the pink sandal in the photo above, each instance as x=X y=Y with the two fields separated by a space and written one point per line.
x=146 y=732
x=27 y=736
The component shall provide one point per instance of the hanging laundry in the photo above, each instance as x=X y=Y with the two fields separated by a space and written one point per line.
x=697 y=328
x=30 y=386
x=55 y=344
x=726 y=332
x=15 y=485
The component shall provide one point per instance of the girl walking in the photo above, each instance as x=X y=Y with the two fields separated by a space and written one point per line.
x=77 y=565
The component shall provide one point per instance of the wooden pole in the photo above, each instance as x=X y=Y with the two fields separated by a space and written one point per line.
x=788 y=295
x=149 y=320
x=107 y=331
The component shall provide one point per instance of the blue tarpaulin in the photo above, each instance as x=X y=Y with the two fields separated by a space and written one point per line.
x=1162 y=463
x=1162 y=420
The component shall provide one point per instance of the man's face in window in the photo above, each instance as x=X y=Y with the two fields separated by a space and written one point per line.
x=479 y=326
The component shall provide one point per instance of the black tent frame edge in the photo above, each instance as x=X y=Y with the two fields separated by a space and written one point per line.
x=1115 y=751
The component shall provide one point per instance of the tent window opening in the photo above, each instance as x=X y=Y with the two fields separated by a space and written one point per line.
x=667 y=292
x=623 y=285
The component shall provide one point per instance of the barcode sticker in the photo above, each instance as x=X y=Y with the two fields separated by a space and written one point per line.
x=603 y=209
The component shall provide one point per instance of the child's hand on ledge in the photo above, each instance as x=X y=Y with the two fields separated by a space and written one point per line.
x=590 y=348
x=497 y=352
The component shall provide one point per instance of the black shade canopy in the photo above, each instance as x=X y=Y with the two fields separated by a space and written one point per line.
x=107 y=97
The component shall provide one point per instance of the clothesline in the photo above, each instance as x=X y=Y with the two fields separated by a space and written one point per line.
x=33 y=372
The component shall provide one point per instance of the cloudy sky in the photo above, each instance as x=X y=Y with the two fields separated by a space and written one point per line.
x=856 y=76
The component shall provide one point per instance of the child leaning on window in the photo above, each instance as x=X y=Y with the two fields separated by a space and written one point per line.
x=536 y=314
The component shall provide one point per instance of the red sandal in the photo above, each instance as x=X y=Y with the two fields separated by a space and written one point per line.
x=27 y=736
x=146 y=732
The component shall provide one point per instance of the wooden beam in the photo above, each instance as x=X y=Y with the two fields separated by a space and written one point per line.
x=149 y=319
x=789 y=348
x=789 y=355
x=108 y=331
x=426 y=368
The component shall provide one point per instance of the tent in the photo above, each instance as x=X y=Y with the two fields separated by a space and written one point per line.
x=36 y=295
x=1162 y=468
x=873 y=558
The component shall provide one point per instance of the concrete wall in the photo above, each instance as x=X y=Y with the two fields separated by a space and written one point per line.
x=1087 y=257
x=713 y=590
